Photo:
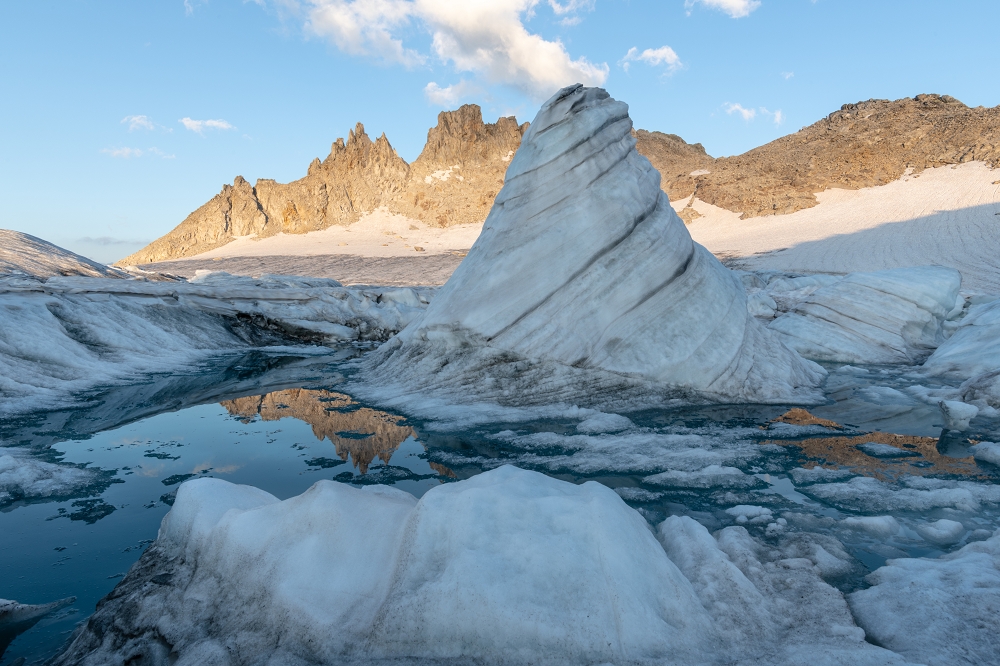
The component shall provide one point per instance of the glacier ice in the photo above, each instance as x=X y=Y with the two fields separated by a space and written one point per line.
x=26 y=477
x=884 y=317
x=509 y=566
x=943 y=611
x=63 y=336
x=585 y=288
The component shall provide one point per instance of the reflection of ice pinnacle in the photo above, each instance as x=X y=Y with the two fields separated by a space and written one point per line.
x=360 y=433
x=584 y=285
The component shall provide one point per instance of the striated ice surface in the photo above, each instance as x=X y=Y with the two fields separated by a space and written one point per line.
x=972 y=354
x=65 y=335
x=885 y=317
x=509 y=566
x=585 y=288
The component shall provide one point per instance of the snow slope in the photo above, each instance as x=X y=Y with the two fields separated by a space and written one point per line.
x=946 y=215
x=585 y=285
x=509 y=567
x=376 y=234
x=23 y=254
x=64 y=336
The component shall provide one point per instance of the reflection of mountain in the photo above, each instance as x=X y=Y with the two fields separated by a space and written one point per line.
x=918 y=456
x=359 y=432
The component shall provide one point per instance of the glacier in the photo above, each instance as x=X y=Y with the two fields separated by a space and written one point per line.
x=64 y=336
x=585 y=288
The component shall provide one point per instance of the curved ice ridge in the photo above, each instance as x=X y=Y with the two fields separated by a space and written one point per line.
x=585 y=286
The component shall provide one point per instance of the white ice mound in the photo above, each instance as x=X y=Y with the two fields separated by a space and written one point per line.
x=584 y=283
x=888 y=317
x=508 y=567
x=944 y=611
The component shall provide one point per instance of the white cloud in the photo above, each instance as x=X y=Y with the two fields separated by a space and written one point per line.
x=451 y=95
x=661 y=56
x=200 y=126
x=486 y=39
x=779 y=117
x=787 y=75
x=124 y=153
x=735 y=8
x=138 y=122
x=128 y=153
x=748 y=114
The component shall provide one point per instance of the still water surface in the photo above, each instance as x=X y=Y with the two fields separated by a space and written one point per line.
x=283 y=423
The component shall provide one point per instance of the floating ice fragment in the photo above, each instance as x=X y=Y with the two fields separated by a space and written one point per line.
x=602 y=422
x=987 y=452
x=942 y=532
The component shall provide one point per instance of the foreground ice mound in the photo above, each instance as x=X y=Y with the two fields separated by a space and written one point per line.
x=585 y=284
x=509 y=567
x=885 y=317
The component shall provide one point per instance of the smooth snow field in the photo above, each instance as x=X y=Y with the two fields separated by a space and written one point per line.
x=764 y=525
x=947 y=215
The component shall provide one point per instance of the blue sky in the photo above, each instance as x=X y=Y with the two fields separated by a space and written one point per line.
x=118 y=118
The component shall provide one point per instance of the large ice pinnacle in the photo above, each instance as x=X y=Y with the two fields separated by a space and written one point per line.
x=585 y=287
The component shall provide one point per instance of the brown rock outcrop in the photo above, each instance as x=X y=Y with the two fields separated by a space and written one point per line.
x=862 y=145
x=453 y=181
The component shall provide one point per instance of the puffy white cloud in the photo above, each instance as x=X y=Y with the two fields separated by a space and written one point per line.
x=200 y=126
x=735 y=8
x=364 y=27
x=138 y=122
x=661 y=56
x=486 y=38
x=748 y=114
x=451 y=95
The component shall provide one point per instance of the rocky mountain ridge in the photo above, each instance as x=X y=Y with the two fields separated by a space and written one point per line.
x=452 y=181
x=462 y=167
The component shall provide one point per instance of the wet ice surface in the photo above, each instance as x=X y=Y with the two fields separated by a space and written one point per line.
x=886 y=483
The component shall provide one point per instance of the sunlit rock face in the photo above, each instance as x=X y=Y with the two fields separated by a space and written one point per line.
x=585 y=284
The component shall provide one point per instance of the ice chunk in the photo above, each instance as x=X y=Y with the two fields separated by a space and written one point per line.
x=988 y=452
x=586 y=288
x=893 y=316
x=944 y=611
x=880 y=526
x=753 y=514
x=942 y=532
x=974 y=348
x=602 y=422
x=877 y=450
x=957 y=414
x=17 y=618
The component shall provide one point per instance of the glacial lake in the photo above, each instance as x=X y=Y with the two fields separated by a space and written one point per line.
x=282 y=422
